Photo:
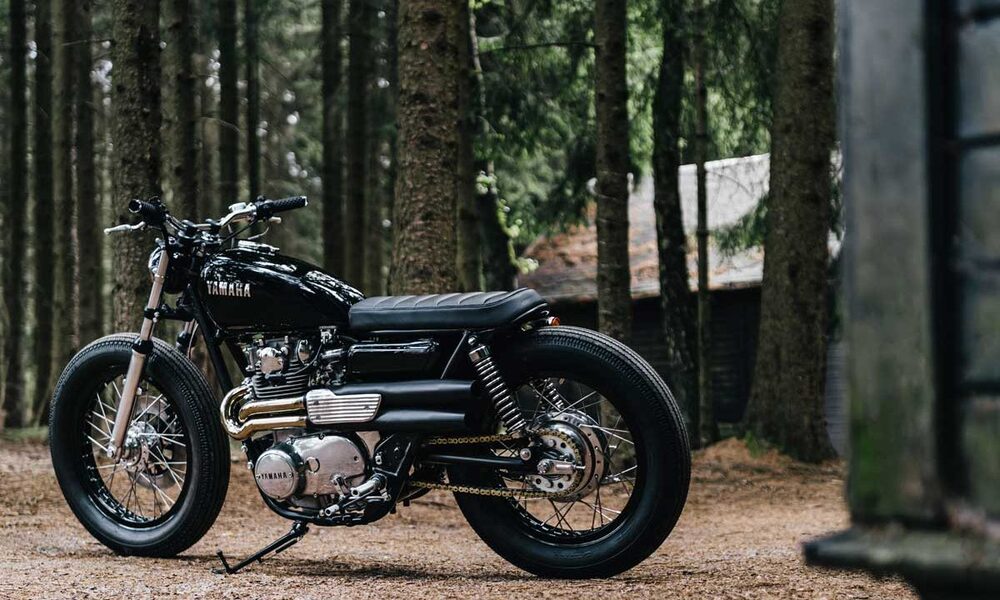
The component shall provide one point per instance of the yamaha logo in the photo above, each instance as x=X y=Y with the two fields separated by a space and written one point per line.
x=274 y=475
x=234 y=289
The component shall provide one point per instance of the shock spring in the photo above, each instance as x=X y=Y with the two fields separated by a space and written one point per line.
x=506 y=408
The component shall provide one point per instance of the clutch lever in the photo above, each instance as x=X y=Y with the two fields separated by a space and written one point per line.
x=124 y=227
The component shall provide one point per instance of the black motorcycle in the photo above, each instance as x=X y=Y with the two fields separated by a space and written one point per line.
x=565 y=450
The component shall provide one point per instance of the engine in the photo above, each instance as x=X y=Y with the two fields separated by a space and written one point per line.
x=285 y=367
x=312 y=471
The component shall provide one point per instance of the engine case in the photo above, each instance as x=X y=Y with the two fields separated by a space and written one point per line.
x=307 y=466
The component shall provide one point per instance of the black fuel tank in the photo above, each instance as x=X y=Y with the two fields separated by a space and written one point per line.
x=253 y=286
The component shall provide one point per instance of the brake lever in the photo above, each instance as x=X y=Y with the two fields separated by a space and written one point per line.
x=124 y=227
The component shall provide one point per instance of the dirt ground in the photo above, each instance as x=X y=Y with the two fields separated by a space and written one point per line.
x=739 y=537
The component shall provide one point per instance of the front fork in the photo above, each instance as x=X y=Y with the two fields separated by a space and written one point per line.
x=141 y=349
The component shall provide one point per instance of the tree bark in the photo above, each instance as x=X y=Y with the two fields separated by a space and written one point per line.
x=707 y=428
x=675 y=292
x=15 y=229
x=43 y=209
x=379 y=147
x=333 y=124
x=88 y=226
x=469 y=263
x=786 y=406
x=229 y=136
x=359 y=32
x=180 y=108
x=67 y=308
x=136 y=133
x=423 y=257
x=250 y=45
x=614 y=300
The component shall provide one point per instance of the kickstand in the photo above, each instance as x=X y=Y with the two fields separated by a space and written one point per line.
x=299 y=529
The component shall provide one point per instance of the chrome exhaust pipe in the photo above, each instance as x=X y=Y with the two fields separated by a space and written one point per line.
x=238 y=415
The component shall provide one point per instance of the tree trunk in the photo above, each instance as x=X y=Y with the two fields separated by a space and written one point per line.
x=707 y=428
x=786 y=406
x=423 y=256
x=180 y=109
x=44 y=209
x=496 y=245
x=469 y=242
x=88 y=225
x=15 y=221
x=229 y=132
x=209 y=205
x=379 y=134
x=333 y=165
x=359 y=31
x=136 y=133
x=67 y=308
x=675 y=291
x=253 y=96
x=614 y=300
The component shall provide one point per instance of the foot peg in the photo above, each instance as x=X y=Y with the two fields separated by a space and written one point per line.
x=298 y=530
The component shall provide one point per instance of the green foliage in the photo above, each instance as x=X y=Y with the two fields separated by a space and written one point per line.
x=537 y=60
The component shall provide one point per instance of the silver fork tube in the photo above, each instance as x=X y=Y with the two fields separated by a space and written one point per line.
x=140 y=351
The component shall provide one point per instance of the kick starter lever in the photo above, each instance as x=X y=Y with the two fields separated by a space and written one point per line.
x=298 y=530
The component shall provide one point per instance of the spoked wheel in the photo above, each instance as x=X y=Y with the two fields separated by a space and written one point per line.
x=620 y=462
x=167 y=486
x=144 y=486
x=604 y=448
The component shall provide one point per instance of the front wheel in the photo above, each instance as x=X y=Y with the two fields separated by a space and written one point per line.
x=637 y=459
x=168 y=485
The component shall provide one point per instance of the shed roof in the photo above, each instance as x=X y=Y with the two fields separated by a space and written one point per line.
x=567 y=261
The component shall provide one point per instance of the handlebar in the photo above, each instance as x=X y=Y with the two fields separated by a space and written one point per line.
x=268 y=208
x=155 y=214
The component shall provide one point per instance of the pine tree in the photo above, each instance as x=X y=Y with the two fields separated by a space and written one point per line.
x=136 y=135
x=180 y=108
x=787 y=402
x=675 y=291
x=614 y=300
x=67 y=331
x=359 y=31
x=707 y=429
x=43 y=210
x=252 y=55
x=88 y=227
x=229 y=137
x=15 y=196
x=333 y=166
x=423 y=257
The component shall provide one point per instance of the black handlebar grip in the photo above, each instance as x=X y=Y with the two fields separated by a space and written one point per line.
x=152 y=214
x=270 y=207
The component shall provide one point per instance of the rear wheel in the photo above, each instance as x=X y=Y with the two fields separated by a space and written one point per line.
x=625 y=433
x=170 y=481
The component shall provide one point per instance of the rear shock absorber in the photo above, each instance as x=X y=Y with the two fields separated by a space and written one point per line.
x=506 y=408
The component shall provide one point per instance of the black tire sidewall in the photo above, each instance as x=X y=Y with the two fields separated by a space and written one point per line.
x=206 y=447
x=646 y=405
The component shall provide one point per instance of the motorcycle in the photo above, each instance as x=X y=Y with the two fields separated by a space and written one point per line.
x=565 y=451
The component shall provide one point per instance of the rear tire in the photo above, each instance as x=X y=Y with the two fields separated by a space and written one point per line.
x=660 y=443
x=191 y=406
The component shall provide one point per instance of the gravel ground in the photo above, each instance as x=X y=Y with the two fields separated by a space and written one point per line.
x=739 y=537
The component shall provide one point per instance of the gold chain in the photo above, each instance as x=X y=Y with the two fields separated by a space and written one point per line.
x=505 y=492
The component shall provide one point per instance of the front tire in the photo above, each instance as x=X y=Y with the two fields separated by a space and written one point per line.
x=661 y=453
x=178 y=462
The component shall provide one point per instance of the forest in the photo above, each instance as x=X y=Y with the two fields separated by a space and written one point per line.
x=436 y=141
